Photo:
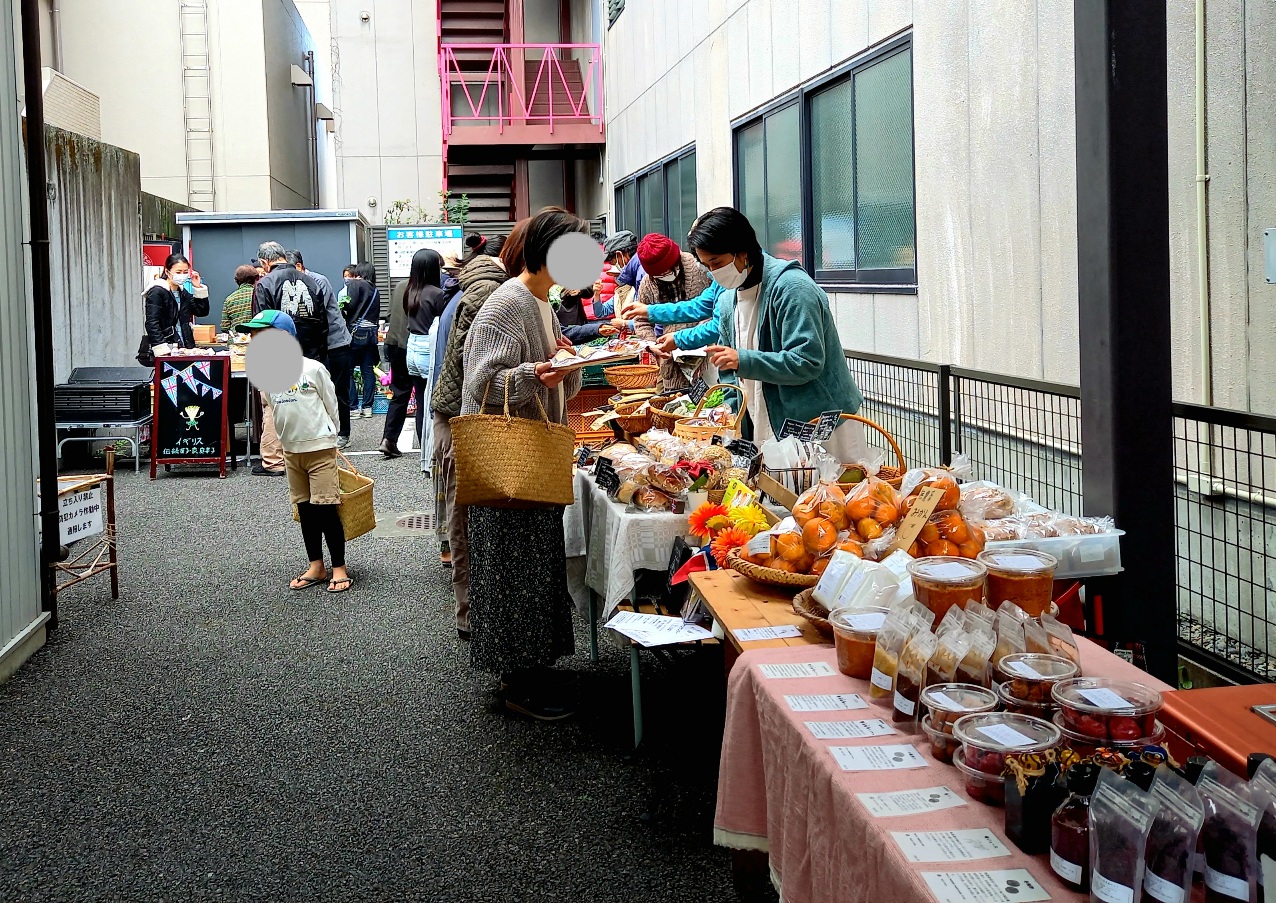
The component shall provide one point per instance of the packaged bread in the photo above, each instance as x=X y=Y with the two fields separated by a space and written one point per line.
x=985 y=501
x=669 y=480
x=1002 y=530
x=649 y=498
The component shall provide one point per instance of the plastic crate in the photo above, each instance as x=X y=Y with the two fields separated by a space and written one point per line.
x=586 y=400
x=380 y=404
x=1088 y=555
x=592 y=377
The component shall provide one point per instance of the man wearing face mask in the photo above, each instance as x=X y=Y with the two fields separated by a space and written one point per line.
x=620 y=252
x=778 y=338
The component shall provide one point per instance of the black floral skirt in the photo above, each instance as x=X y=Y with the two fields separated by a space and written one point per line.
x=520 y=609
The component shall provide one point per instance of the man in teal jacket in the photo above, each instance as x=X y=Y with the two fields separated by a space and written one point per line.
x=777 y=334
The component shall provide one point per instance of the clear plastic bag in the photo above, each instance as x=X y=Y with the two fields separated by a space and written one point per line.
x=975 y=664
x=1062 y=641
x=1121 y=816
x=1230 y=835
x=987 y=501
x=1035 y=638
x=910 y=676
x=949 y=652
x=1167 y=875
x=900 y=625
x=872 y=507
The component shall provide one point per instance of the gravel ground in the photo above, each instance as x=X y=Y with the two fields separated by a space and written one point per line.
x=215 y=736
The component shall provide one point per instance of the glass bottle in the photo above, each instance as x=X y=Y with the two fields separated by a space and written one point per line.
x=1070 y=829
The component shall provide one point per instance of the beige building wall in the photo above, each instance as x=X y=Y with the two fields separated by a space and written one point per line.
x=994 y=138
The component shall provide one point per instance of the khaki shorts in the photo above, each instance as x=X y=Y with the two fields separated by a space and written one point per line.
x=312 y=477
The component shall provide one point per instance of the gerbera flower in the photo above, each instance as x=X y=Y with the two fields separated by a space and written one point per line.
x=725 y=541
x=699 y=520
x=749 y=519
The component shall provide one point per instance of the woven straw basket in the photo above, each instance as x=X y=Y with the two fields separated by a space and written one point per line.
x=504 y=461
x=664 y=420
x=632 y=422
x=892 y=475
x=769 y=576
x=632 y=376
x=358 y=514
x=805 y=605
x=705 y=432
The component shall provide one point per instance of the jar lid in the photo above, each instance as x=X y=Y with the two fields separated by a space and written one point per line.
x=1020 y=561
x=1036 y=666
x=958 y=697
x=1106 y=696
x=863 y=623
x=1081 y=778
x=947 y=569
x=1006 y=732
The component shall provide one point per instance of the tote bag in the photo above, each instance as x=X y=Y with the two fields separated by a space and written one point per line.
x=504 y=461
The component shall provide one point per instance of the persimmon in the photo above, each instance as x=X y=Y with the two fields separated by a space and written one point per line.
x=819 y=535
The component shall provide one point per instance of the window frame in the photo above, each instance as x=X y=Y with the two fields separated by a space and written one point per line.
x=659 y=167
x=876 y=281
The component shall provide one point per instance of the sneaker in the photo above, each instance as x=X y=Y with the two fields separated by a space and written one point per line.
x=260 y=471
x=367 y=413
x=356 y=413
x=343 y=441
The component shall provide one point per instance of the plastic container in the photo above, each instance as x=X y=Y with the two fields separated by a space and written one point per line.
x=1087 y=746
x=1031 y=676
x=1112 y=711
x=988 y=738
x=855 y=636
x=946 y=703
x=942 y=743
x=1089 y=555
x=1043 y=710
x=1022 y=576
x=941 y=582
x=981 y=786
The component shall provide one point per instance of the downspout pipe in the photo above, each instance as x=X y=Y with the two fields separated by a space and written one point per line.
x=41 y=292
x=314 y=128
x=55 y=26
x=1203 y=217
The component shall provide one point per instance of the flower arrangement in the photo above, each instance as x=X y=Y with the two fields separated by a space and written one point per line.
x=707 y=519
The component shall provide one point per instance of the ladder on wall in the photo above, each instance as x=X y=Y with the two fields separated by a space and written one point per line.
x=197 y=106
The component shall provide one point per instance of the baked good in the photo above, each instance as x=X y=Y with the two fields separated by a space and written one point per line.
x=999 y=530
x=667 y=479
x=652 y=499
x=1080 y=526
x=616 y=449
x=717 y=456
x=986 y=502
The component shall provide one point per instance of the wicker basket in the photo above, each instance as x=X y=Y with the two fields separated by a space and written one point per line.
x=358 y=514
x=705 y=432
x=890 y=474
x=717 y=496
x=632 y=376
x=769 y=576
x=630 y=420
x=805 y=605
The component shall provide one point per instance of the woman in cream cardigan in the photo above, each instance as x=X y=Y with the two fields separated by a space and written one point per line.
x=520 y=611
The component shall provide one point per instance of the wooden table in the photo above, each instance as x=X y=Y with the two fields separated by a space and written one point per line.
x=736 y=602
x=1218 y=722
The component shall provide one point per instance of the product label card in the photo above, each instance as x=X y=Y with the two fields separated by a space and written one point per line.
x=867 y=620
x=1102 y=696
x=850 y=730
x=1002 y=886
x=950 y=846
x=1159 y=889
x=910 y=802
x=832 y=702
x=1023 y=670
x=797 y=669
x=946 y=701
x=877 y=758
x=1110 y=891
x=1005 y=735
x=882 y=680
x=777 y=632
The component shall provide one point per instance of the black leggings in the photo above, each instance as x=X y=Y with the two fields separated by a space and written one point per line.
x=318 y=522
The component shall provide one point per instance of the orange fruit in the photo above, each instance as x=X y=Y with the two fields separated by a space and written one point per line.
x=969 y=549
x=882 y=491
x=943 y=547
x=868 y=529
x=804 y=565
x=780 y=564
x=789 y=547
x=852 y=546
x=833 y=493
x=835 y=511
x=886 y=514
x=861 y=508
x=915 y=550
x=805 y=509
x=819 y=535
x=929 y=533
x=821 y=565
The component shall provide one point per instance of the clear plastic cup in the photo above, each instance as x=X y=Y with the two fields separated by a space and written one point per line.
x=941 y=582
x=855 y=636
x=1030 y=676
x=989 y=737
x=1022 y=576
x=1088 y=746
x=1103 y=709
x=1043 y=710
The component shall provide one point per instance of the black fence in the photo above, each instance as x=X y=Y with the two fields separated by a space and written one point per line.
x=1026 y=435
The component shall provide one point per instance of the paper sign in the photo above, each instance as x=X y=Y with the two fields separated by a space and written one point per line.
x=1021 y=669
x=910 y=802
x=778 y=632
x=1102 y=696
x=656 y=630
x=877 y=758
x=832 y=702
x=1005 y=735
x=797 y=669
x=80 y=514
x=949 y=846
x=850 y=730
x=867 y=620
x=738 y=494
x=916 y=518
x=1002 y=886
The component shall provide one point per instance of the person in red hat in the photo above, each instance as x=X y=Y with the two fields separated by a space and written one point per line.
x=672 y=275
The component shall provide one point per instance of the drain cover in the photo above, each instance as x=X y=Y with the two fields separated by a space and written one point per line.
x=420 y=522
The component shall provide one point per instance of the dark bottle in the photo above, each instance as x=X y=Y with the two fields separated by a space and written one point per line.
x=1194 y=766
x=1070 y=829
x=1140 y=774
x=1028 y=814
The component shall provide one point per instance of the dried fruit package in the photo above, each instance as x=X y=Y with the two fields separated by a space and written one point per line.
x=949 y=652
x=1035 y=638
x=910 y=676
x=948 y=533
x=974 y=667
x=872 y=507
x=1121 y=816
x=954 y=619
x=1230 y=836
x=1010 y=611
x=1264 y=781
x=1167 y=877
x=982 y=612
x=1009 y=641
x=1062 y=641
x=900 y=625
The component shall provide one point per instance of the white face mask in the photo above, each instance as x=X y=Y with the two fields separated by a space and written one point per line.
x=668 y=277
x=728 y=276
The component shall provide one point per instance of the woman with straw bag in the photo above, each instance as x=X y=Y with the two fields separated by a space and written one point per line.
x=520 y=611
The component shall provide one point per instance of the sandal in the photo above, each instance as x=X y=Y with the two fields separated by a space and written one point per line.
x=306 y=582
x=348 y=581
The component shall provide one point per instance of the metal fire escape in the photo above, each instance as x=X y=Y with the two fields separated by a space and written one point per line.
x=197 y=104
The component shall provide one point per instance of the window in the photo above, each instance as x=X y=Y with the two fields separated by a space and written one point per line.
x=844 y=205
x=614 y=9
x=660 y=198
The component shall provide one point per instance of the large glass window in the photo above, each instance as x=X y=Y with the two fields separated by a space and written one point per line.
x=661 y=198
x=852 y=189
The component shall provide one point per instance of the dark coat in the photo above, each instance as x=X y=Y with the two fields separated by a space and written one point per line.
x=299 y=296
x=479 y=278
x=168 y=320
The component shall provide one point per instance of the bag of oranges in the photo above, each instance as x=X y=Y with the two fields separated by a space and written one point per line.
x=872 y=508
x=926 y=477
x=948 y=533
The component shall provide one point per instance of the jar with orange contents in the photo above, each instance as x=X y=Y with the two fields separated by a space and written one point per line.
x=855 y=636
x=941 y=582
x=1022 y=576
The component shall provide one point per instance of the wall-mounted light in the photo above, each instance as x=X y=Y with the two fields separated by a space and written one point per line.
x=372 y=202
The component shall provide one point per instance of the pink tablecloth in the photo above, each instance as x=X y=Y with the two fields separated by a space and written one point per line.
x=780 y=790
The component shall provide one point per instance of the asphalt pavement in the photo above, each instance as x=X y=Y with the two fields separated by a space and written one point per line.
x=213 y=735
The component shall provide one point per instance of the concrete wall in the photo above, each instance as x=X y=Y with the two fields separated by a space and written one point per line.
x=293 y=132
x=96 y=248
x=385 y=93
x=994 y=135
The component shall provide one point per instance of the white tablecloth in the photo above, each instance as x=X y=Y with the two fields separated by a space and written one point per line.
x=606 y=542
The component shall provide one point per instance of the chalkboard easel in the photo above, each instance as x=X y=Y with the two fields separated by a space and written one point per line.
x=191 y=394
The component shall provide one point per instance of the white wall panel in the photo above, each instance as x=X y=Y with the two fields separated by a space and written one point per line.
x=814 y=36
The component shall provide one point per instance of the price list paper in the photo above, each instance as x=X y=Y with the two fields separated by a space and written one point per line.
x=877 y=758
x=830 y=702
x=1000 y=886
x=950 y=846
x=910 y=802
x=850 y=730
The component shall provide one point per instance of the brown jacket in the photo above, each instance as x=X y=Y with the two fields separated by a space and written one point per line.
x=479 y=278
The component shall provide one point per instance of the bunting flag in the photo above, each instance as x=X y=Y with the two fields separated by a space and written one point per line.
x=169 y=383
x=205 y=368
x=169 y=368
x=701 y=561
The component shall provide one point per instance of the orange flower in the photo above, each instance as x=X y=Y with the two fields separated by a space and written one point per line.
x=701 y=516
x=725 y=541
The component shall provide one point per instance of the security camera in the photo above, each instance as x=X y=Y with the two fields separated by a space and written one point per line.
x=365 y=16
x=372 y=202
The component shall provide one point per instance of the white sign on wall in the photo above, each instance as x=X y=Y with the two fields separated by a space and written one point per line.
x=405 y=241
x=80 y=514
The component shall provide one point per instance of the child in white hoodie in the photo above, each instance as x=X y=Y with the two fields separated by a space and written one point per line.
x=306 y=420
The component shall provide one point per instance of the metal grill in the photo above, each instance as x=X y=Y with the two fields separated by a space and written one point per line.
x=422 y=522
x=904 y=398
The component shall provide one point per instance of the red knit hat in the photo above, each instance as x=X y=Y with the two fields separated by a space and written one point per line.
x=658 y=253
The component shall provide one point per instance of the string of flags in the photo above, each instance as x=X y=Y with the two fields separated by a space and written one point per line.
x=190 y=377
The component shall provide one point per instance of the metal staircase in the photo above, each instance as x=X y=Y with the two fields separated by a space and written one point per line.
x=197 y=106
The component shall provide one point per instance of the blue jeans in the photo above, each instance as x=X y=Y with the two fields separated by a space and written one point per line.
x=363 y=357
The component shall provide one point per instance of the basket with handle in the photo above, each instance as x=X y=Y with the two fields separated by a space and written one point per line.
x=769 y=576
x=358 y=514
x=632 y=376
x=704 y=432
x=637 y=416
x=889 y=473
x=666 y=420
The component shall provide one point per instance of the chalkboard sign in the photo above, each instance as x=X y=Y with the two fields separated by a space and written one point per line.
x=698 y=390
x=606 y=477
x=828 y=422
x=191 y=425
x=791 y=427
